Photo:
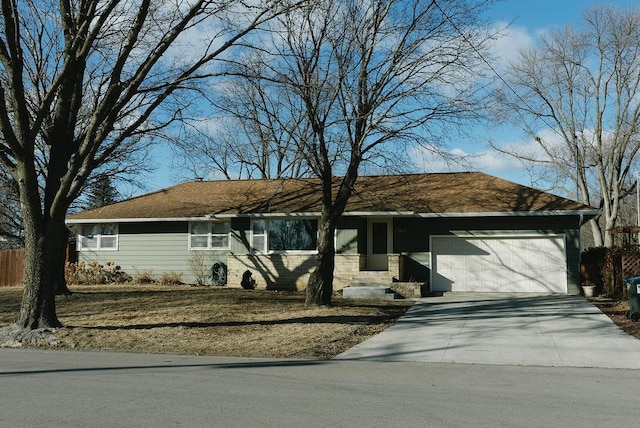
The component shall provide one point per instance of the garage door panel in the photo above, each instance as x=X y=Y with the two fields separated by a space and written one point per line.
x=517 y=264
x=462 y=247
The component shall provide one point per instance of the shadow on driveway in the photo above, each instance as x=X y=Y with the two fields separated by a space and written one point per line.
x=503 y=328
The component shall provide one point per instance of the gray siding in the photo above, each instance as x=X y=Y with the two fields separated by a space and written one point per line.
x=155 y=247
x=162 y=247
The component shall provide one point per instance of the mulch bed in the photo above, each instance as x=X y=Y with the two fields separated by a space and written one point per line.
x=616 y=309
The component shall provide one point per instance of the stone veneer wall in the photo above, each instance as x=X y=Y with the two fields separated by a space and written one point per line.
x=396 y=266
x=348 y=267
x=289 y=271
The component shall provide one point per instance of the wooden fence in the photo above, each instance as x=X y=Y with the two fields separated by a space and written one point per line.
x=11 y=267
x=12 y=264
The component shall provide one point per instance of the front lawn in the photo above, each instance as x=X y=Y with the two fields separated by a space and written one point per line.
x=210 y=320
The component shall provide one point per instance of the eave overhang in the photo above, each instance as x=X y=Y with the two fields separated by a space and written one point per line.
x=585 y=214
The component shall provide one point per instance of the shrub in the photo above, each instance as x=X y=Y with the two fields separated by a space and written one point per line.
x=94 y=273
x=197 y=264
x=607 y=268
x=115 y=274
x=171 y=278
x=144 y=277
x=593 y=267
x=83 y=273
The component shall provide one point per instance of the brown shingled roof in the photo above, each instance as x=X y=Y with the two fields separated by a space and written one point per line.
x=439 y=193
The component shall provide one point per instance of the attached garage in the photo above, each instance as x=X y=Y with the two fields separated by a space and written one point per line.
x=532 y=264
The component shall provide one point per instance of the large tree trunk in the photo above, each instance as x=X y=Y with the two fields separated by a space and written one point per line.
x=38 y=308
x=43 y=236
x=60 y=280
x=320 y=285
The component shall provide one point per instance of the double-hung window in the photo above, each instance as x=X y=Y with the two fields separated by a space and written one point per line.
x=259 y=235
x=284 y=235
x=209 y=235
x=102 y=236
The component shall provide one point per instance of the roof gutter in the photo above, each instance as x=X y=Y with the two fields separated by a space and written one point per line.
x=584 y=215
x=581 y=213
x=131 y=220
x=199 y=218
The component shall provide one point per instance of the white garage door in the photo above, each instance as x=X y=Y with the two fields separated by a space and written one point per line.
x=512 y=264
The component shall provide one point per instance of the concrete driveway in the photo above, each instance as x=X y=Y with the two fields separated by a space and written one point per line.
x=515 y=329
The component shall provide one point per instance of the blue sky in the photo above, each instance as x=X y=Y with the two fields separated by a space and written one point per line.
x=528 y=19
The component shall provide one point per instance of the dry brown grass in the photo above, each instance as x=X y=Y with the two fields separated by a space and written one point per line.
x=616 y=310
x=210 y=321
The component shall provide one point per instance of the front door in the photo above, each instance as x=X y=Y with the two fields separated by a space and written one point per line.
x=379 y=242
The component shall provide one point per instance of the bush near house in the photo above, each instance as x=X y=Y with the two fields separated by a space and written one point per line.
x=170 y=278
x=608 y=267
x=94 y=273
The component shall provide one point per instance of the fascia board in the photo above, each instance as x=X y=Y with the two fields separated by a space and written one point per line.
x=546 y=213
x=586 y=213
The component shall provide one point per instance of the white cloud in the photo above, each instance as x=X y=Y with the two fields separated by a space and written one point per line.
x=458 y=159
x=512 y=41
x=495 y=162
x=476 y=158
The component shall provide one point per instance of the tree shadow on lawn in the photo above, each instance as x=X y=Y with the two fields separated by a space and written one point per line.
x=330 y=319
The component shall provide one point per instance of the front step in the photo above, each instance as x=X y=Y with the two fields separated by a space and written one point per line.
x=373 y=278
x=383 y=280
x=370 y=292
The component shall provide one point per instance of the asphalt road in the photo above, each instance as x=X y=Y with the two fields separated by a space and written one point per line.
x=103 y=389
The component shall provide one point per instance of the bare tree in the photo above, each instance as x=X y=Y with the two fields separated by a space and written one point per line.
x=84 y=81
x=576 y=96
x=371 y=77
x=255 y=130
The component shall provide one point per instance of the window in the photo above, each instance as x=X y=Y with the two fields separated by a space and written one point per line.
x=98 y=237
x=258 y=235
x=280 y=235
x=209 y=235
